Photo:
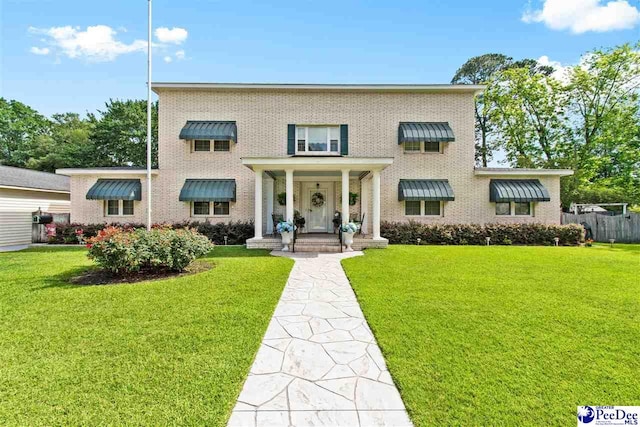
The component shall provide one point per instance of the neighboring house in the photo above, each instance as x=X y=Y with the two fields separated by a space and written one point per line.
x=228 y=152
x=22 y=192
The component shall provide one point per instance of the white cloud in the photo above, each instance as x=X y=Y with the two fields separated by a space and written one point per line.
x=581 y=16
x=168 y=59
x=560 y=72
x=97 y=43
x=180 y=54
x=39 y=50
x=174 y=35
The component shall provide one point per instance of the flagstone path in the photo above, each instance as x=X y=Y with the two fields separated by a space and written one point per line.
x=318 y=364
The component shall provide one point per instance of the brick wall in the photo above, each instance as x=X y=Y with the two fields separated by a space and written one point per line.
x=262 y=117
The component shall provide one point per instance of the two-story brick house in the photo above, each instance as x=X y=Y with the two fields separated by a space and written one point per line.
x=241 y=152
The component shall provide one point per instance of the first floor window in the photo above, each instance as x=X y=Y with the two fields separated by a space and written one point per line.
x=112 y=207
x=412 y=207
x=522 y=208
x=127 y=207
x=514 y=208
x=412 y=146
x=221 y=208
x=221 y=145
x=209 y=208
x=432 y=208
x=503 y=208
x=431 y=147
x=201 y=208
x=201 y=145
x=119 y=207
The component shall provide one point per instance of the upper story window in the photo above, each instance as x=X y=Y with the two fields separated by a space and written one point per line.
x=205 y=145
x=318 y=140
x=422 y=147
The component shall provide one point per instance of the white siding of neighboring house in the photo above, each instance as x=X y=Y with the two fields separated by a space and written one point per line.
x=16 y=207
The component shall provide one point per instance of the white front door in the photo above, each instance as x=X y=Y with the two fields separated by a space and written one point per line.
x=317 y=210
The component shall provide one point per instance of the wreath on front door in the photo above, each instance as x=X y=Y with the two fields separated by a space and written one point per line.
x=317 y=200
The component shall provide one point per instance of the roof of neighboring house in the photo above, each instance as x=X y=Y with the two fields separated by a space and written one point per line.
x=521 y=171
x=322 y=87
x=30 y=179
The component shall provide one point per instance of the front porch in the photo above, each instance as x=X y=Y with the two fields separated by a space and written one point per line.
x=319 y=194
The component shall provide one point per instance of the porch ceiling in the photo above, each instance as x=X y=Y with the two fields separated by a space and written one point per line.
x=317 y=164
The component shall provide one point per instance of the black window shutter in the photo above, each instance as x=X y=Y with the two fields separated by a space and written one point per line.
x=344 y=140
x=291 y=139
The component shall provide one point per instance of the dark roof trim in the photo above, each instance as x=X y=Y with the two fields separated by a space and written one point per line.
x=116 y=189
x=425 y=131
x=517 y=190
x=206 y=190
x=425 y=189
x=199 y=129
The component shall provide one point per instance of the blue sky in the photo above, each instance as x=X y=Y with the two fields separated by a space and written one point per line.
x=57 y=69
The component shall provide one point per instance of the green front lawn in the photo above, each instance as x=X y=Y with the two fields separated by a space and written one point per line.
x=157 y=353
x=504 y=335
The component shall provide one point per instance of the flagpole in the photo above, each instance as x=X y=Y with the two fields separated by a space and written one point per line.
x=149 y=118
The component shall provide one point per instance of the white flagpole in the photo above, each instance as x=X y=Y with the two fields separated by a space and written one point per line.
x=149 y=118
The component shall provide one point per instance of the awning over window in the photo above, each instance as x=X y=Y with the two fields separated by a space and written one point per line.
x=517 y=190
x=424 y=189
x=425 y=131
x=205 y=190
x=209 y=130
x=115 y=189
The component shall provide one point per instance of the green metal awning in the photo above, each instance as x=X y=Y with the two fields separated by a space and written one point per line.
x=115 y=189
x=205 y=190
x=425 y=131
x=517 y=190
x=424 y=189
x=225 y=130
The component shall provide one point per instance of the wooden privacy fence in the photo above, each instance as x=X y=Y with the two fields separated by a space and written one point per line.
x=622 y=228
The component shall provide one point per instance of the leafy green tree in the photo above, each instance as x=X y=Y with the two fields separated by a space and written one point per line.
x=120 y=131
x=479 y=70
x=23 y=133
x=528 y=113
x=605 y=119
x=68 y=146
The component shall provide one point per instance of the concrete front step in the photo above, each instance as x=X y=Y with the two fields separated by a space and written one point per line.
x=317 y=248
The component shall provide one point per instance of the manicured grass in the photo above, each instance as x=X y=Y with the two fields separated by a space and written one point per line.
x=155 y=353
x=505 y=335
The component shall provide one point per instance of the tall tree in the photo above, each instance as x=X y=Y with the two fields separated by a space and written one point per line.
x=605 y=119
x=528 y=112
x=120 y=132
x=68 y=146
x=23 y=131
x=479 y=70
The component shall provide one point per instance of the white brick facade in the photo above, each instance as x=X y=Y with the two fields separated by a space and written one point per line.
x=262 y=116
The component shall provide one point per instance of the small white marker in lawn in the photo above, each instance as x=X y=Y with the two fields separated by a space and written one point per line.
x=488 y=240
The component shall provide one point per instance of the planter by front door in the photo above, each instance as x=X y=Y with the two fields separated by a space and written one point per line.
x=317 y=216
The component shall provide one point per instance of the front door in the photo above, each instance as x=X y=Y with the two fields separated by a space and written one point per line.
x=317 y=201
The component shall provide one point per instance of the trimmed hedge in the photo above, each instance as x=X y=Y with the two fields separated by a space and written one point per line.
x=237 y=232
x=407 y=233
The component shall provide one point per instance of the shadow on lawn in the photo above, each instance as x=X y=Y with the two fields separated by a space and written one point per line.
x=617 y=247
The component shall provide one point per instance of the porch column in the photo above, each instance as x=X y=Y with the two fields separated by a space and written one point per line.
x=257 y=224
x=289 y=191
x=376 y=204
x=345 y=196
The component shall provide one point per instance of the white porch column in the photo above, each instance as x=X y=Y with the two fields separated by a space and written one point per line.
x=257 y=216
x=376 y=204
x=345 y=196
x=289 y=191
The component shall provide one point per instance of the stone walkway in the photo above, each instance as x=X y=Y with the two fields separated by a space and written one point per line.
x=319 y=364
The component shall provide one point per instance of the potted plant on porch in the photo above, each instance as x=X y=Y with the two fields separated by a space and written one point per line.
x=348 y=230
x=286 y=229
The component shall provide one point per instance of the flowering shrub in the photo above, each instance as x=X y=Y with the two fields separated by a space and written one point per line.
x=349 y=228
x=474 y=234
x=285 y=227
x=126 y=251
